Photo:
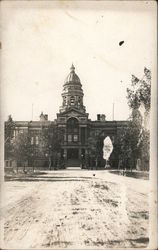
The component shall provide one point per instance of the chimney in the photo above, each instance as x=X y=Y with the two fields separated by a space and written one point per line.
x=98 y=117
x=43 y=117
x=103 y=117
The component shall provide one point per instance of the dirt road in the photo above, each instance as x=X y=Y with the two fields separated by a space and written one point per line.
x=76 y=209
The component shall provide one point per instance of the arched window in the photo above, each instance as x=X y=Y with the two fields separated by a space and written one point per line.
x=72 y=130
x=79 y=100
x=64 y=100
x=72 y=100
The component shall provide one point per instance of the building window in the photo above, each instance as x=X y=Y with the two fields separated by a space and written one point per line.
x=79 y=100
x=64 y=100
x=69 y=138
x=73 y=130
x=75 y=138
x=72 y=100
x=97 y=132
x=37 y=141
x=83 y=135
x=32 y=140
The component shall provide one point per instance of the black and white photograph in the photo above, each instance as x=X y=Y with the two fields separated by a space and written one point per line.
x=78 y=124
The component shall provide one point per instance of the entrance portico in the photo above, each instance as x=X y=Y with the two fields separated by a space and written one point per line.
x=73 y=119
x=72 y=153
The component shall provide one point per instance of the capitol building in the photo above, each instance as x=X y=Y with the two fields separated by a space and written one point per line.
x=76 y=126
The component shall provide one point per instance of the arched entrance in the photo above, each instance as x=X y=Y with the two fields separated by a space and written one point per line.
x=72 y=131
x=72 y=153
x=72 y=142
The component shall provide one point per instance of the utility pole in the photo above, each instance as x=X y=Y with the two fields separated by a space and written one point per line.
x=113 y=106
x=32 y=111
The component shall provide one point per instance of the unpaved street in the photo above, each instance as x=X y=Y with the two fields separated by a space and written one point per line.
x=76 y=209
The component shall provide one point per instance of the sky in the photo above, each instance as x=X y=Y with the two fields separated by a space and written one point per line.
x=40 y=41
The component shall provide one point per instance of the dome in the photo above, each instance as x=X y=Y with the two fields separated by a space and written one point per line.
x=72 y=93
x=72 y=77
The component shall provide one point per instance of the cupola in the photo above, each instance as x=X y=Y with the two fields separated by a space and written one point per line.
x=72 y=93
x=72 y=77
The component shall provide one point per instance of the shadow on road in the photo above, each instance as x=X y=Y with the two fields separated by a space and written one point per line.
x=37 y=178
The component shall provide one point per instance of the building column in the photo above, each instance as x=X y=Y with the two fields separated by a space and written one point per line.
x=65 y=153
x=79 y=153
x=79 y=139
x=86 y=135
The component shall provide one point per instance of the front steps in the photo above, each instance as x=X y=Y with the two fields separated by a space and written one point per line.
x=74 y=168
x=73 y=163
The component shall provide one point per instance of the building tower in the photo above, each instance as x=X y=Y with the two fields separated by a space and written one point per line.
x=72 y=93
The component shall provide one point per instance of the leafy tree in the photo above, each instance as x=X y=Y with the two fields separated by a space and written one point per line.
x=144 y=148
x=140 y=91
x=22 y=148
x=95 y=149
x=92 y=146
x=91 y=156
x=50 y=142
x=9 y=128
x=128 y=140
x=52 y=136
x=134 y=139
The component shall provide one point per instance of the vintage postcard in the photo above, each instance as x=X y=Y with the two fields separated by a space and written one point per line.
x=78 y=124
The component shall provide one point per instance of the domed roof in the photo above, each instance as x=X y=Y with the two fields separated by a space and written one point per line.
x=72 y=77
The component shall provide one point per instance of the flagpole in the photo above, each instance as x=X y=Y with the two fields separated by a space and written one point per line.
x=113 y=111
x=32 y=111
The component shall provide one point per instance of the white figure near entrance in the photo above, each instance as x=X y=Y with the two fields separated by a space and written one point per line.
x=107 y=149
